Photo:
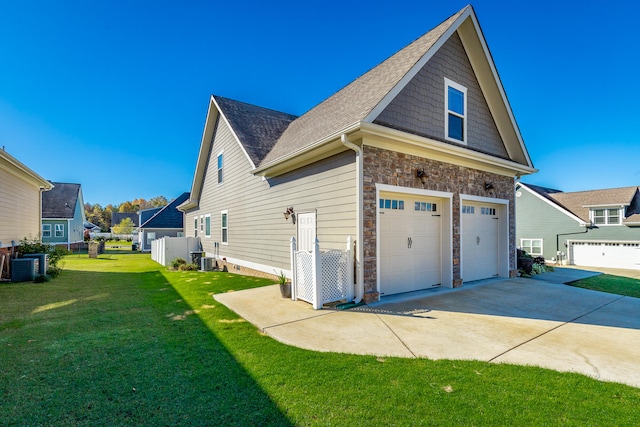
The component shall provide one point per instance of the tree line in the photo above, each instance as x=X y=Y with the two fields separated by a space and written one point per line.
x=101 y=216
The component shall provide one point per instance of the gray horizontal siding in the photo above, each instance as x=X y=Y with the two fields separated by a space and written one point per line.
x=258 y=232
x=536 y=219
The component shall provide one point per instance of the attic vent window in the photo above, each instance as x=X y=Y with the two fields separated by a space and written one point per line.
x=455 y=97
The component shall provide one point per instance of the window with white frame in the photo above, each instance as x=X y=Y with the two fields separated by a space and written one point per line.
x=224 y=226
x=606 y=216
x=201 y=223
x=455 y=120
x=207 y=225
x=531 y=246
x=59 y=230
x=151 y=236
x=46 y=230
x=195 y=226
x=220 y=165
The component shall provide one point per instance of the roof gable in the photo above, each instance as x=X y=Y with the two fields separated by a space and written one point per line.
x=117 y=217
x=579 y=203
x=169 y=216
x=60 y=202
x=363 y=100
x=256 y=128
x=357 y=100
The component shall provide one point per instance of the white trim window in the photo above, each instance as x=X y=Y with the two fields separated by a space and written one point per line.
x=531 y=246
x=201 y=224
x=455 y=116
x=207 y=225
x=220 y=166
x=606 y=216
x=46 y=230
x=195 y=226
x=59 y=230
x=224 y=227
x=151 y=236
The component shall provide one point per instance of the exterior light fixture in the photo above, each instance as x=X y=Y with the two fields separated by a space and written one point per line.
x=421 y=175
x=290 y=213
x=488 y=186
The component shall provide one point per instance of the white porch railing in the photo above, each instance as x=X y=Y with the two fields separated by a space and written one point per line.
x=322 y=277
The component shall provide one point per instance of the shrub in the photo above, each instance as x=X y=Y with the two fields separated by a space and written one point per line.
x=53 y=271
x=188 y=267
x=35 y=246
x=42 y=278
x=176 y=263
x=116 y=239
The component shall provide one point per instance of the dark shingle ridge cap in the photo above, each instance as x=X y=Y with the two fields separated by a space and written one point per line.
x=257 y=128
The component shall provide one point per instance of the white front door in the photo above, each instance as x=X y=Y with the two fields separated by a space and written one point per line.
x=306 y=230
x=479 y=240
x=410 y=242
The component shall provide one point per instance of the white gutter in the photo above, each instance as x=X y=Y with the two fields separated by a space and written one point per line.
x=359 y=218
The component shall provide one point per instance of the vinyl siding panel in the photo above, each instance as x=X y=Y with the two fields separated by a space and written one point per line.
x=257 y=230
x=420 y=107
x=19 y=208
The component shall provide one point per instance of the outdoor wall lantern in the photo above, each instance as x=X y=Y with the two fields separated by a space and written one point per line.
x=489 y=186
x=290 y=213
x=421 y=175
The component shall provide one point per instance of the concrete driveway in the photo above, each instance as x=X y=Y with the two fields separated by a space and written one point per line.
x=520 y=321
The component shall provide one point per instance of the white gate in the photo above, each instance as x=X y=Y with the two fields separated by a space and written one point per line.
x=322 y=277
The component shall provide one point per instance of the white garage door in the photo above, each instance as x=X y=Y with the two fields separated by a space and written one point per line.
x=479 y=240
x=606 y=254
x=410 y=243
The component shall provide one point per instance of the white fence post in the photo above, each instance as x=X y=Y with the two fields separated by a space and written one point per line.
x=317 y=276
x=294 y=281
x=350 y=285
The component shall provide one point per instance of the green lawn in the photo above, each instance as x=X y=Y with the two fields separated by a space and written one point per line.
x=612 y=284
x=119 y=340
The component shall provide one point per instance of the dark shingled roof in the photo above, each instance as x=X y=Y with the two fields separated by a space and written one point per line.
x=117 y=217
x=61 y=201
x=146 y=214
x=169 y=216
x=257 y=128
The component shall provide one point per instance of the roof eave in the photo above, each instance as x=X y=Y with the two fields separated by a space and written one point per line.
x=308 y=154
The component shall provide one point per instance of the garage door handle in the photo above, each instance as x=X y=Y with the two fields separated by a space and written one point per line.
x=435 y=215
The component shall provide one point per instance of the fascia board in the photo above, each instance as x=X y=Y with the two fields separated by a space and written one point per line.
x=467 y=41
x=384 y=103
x=203 y=156
x=309 y=153
x=554 y=205
x=443 y=151
x=17 y=168
x=233 y=132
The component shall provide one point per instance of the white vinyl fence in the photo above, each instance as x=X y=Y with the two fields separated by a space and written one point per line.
x=322 y=277
x=166 y=249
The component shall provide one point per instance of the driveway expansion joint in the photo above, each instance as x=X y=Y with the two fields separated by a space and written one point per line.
x=556 y=327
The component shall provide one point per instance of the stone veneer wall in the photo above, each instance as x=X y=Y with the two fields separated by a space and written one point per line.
x=393 y=168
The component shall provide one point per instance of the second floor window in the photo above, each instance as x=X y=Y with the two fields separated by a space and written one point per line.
x=455 y=112
x=220 y=165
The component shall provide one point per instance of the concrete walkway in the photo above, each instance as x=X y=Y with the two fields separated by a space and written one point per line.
x=520 y=321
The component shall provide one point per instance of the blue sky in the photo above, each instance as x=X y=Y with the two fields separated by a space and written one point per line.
x=113 y=95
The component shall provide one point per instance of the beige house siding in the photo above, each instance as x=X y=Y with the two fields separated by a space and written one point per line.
x=19 y=208
x=258 y=235
x=419 y=107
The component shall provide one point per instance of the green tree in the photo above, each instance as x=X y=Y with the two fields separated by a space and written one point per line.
x=158 y=202
x=124 y=227
x=126 y=207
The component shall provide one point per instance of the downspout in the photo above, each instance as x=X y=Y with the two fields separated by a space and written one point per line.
x=359 y=217
x=68 y=234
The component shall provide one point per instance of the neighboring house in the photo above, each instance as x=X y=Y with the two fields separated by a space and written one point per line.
x=63 y=215
x=597 y=228
x=20 y=203
x=416 y=160
x=117 y=217
x=91 y=227
x=156 y=223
